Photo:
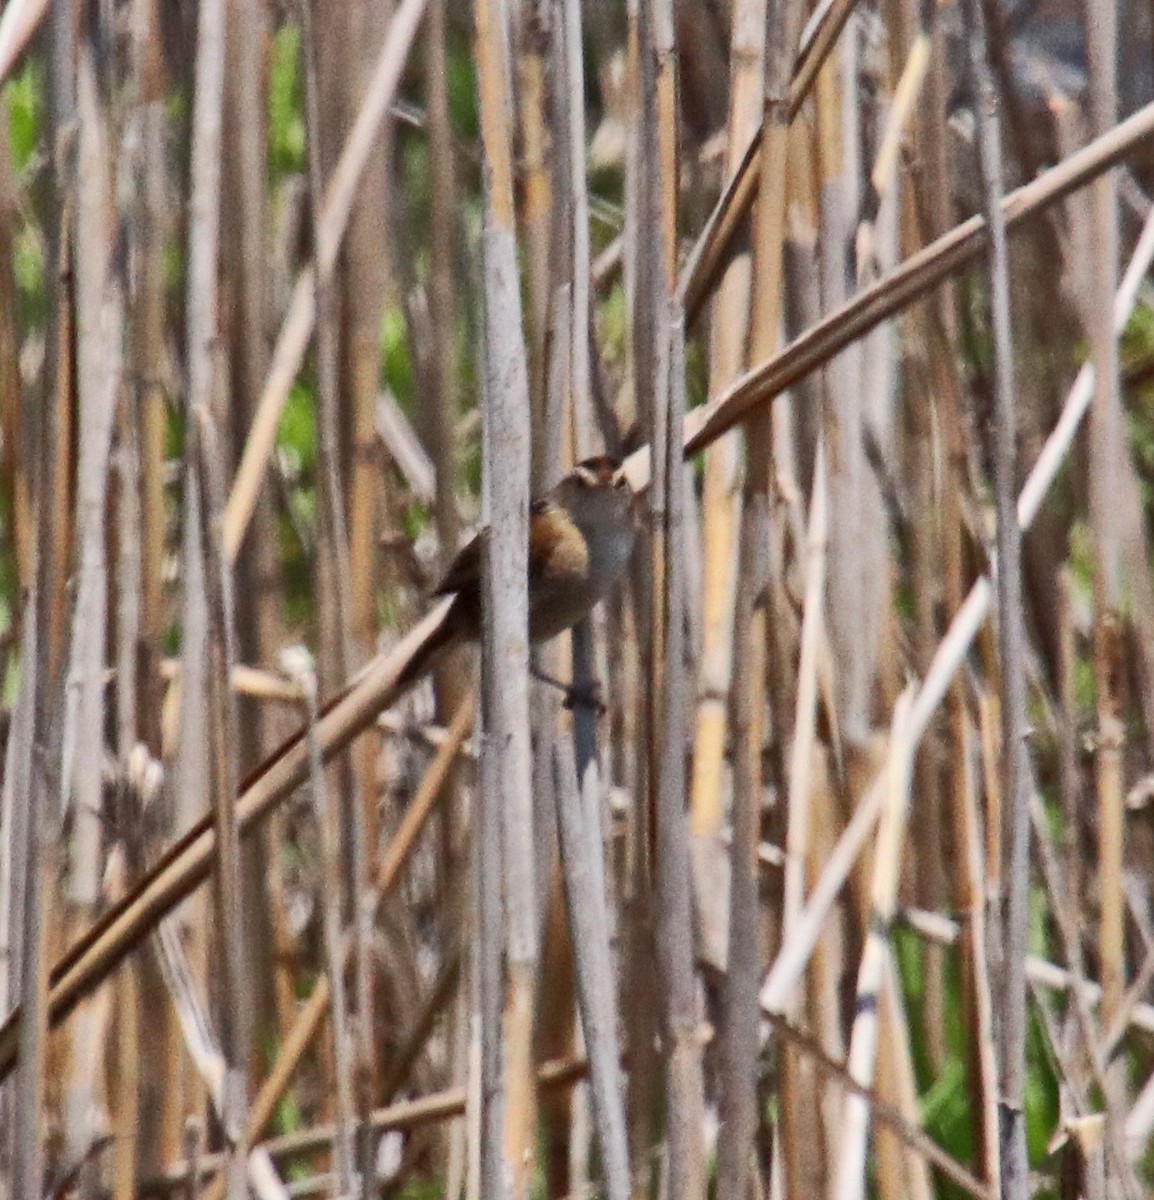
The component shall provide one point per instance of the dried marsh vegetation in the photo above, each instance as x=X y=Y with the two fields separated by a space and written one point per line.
x=836 y=875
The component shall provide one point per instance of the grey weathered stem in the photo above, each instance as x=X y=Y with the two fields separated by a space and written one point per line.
x=1011 y=639
x=684 y=1084
x=1113 y=506
x=335 y=958
x=31 y=981
x=507 y=858
x=100 y=316
x=206 y=588
x=333 y=560
x=581 y=850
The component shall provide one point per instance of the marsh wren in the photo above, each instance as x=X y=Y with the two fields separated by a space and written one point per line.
x=580 y=541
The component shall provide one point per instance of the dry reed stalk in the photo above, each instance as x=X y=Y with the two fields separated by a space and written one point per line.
x=977 y=995
x=1108 y=512
x=33 y=843
x=931 y=510
x=245 y=295
x=312 y=1013
x=740 y=1014
x=580 y=354
x=99 y=310
x=720 y=504
x=1009 y=935
x=99 y=319
x=705 y=257
x=871 y=970
x=15 y=457
x=211 y=652
x=580 y=847
x=912 y=279
x=187 y=862
x=907 y=1171
x=370 y=277
x=804 y=728
x=536 y=34
x=684 y=1087
x=125 y=1095
x=24 y=980
x=506 y=866
x=444 y=402
x=357 y=821
x=328 y=827
x=406 y=1114
x=298 y=322
x=638 y=720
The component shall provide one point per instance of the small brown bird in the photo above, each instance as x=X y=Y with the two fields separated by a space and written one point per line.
x=580 y=541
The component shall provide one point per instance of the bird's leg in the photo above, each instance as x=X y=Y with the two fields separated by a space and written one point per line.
x=587 y=695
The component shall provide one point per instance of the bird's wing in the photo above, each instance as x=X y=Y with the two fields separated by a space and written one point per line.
x=556 y=548
x=464 y=573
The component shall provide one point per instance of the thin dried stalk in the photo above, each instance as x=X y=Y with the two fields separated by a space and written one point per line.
x=580 y=845
x=684 y=1084
x=579 y=355
x=90 y=959
x=357 y=834
x=100 y=335
x=720 y=503
x=871 y=970
x=15 y=458
x=706 y=255
x=1108 y=513
x=507 y=849
x=906 y=283
x=441 y=284
x=310 y=1016
x=335 y=960
x=1010 y=939
x=298 y=322
x=204 y=496
x=406 y=1114
x=740 y=1027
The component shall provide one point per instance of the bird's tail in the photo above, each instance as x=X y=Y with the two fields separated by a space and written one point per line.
x=445 y=634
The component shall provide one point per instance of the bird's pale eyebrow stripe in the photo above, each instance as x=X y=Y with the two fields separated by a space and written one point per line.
x=586 y=475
